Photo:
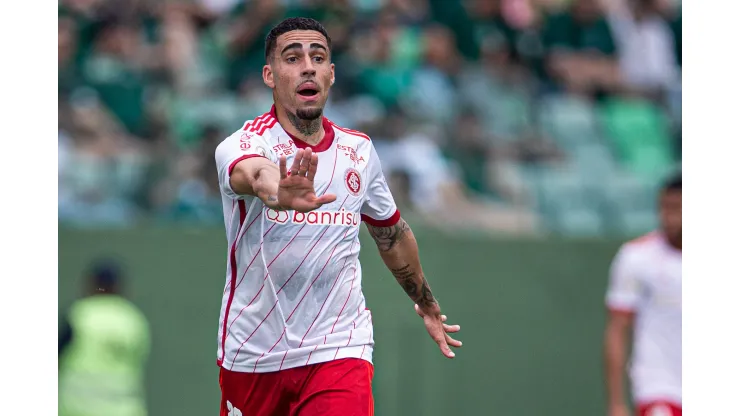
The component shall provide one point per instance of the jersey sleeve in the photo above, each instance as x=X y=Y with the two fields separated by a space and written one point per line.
x=624 y=290
x=379 y=208
x=239 y=146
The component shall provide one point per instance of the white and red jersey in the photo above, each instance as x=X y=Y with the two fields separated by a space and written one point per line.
x=646 y=280
x=293 y=281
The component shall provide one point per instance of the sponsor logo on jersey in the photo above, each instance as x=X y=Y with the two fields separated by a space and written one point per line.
x=245 y=141
x=341 y=217
x=284 y=149
x=353 y=180
x=351 y=153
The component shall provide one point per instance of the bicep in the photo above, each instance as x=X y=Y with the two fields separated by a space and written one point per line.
x=237 y=157
x=624 y=290
x=620 y=319
x=379 y=208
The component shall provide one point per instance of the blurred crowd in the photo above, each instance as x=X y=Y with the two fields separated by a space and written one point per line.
x=508 y=115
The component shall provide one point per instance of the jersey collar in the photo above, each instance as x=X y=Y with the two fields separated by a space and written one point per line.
x=321 y=146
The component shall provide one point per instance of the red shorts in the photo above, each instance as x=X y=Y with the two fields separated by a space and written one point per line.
x=334 y=388
x=659 y=409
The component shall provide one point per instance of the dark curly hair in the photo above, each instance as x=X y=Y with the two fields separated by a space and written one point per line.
x=288 y=25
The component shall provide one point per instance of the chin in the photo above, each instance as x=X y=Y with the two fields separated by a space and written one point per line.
x=309 y=112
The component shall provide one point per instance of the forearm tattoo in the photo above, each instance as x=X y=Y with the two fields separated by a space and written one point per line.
x=415 y=285
x=411 y=280
x=387 y=237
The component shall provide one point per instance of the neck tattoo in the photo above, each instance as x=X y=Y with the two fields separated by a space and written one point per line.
x=307 y=128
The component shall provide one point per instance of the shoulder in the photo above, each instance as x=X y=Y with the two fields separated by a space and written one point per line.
x=346 y=133
x=637 y=250
x=259 y=125
x=253 y=134
x=644 y=242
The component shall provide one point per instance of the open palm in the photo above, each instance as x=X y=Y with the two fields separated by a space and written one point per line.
x=296 y=190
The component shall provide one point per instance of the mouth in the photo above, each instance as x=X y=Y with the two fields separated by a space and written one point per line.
x=308 y=91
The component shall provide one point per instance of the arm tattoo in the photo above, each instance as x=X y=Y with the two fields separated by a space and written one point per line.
x=387 y=237
x=419 y=292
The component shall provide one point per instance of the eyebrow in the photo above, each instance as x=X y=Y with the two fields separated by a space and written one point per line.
x=296 y=45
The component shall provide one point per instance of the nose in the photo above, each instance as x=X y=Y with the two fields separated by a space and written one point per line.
x=308 y=69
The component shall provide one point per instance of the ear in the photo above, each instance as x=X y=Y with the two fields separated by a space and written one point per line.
x=267 y=76
x=332 y=74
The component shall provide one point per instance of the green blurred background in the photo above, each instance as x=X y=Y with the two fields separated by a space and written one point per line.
x=531 y=312
x=524 y=140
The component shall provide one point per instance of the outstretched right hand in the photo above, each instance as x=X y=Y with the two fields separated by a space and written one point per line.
x=296 y=190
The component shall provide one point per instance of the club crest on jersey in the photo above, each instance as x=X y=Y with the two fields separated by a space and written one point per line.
x=353 y=181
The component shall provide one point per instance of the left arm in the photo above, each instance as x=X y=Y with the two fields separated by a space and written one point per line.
x=400 y=253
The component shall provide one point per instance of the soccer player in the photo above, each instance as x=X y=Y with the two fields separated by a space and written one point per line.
x=295 y=336
x=644 y=303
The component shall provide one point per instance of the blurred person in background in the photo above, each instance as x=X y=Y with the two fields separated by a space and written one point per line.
x=285 y=333
x=581 y=51
x=159 y=73
x=645 y=44
x=104 y=343
x=644 y=303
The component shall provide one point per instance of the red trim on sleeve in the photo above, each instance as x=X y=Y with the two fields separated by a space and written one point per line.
x=233 y=164
x=383 y=223
x=620 y=311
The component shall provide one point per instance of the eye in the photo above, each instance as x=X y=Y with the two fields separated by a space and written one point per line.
x=318 y=59
x=292 y=59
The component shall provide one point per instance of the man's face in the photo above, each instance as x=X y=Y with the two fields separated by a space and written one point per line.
x=300 y=73
x=670 y=213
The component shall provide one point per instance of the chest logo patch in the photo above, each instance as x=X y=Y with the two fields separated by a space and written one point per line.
x=353 y=181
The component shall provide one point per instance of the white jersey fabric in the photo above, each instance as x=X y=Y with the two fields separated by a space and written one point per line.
x=293 y=281
x=646 y=280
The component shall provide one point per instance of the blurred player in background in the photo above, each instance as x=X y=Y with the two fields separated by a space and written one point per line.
x=295 y=335
x=644 y=303
x=103 y=348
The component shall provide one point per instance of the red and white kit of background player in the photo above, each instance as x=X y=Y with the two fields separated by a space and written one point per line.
x=644 y=302
x=295 y=337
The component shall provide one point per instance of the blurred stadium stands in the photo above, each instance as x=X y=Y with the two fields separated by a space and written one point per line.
x=513 y=116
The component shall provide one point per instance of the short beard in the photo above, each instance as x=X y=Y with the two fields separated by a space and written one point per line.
x=306 y=121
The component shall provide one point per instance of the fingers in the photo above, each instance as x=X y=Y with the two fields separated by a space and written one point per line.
x=283 y=168
x=305 y=162
x=313 y=166
x=440 y=337
x=446 y=351
x=326 y=199
x=451 y=328
x=452 y=342
x=297 y=162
